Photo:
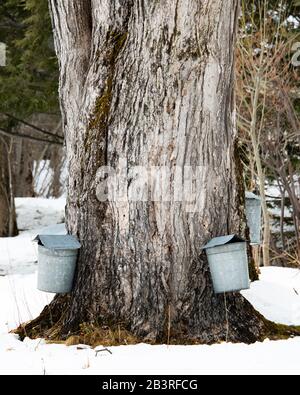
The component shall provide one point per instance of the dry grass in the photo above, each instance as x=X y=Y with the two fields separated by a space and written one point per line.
x=94 y=336
x=105 y=336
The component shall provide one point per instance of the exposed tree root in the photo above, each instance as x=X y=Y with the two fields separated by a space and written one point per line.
x=50 y=325
x=47 y=324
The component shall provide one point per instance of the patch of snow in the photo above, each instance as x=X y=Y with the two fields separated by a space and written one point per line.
x=293 y=20
x=38 y=212
x=277 y=295
x=37 y=357
x=23 y=301
x=34 y=216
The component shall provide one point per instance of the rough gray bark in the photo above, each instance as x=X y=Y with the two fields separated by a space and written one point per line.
x=152 y=82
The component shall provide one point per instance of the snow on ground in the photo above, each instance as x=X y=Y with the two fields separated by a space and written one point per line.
x=34 y=216
x=276 y=296
x=36 y=357
x=20 y=301
x=35 y=213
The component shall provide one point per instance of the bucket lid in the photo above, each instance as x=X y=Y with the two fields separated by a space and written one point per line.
x=58 y=242
x=220 y=241
x=250 y=195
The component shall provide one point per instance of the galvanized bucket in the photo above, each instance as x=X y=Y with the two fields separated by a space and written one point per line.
x=228 y=263
x=253 y=214
x=57 y=257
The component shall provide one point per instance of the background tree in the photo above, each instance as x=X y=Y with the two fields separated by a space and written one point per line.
x=267 y=86
x=8 y=225
x=28 y=91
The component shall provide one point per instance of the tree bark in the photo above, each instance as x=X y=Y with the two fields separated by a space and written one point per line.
x=8 y=223
x=151 y=82
x=23 y=175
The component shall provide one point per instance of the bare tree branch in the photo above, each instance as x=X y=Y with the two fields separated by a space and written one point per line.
x=32 y=138
x=45 y=132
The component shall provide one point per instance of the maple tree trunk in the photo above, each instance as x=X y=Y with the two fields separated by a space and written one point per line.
x=151 y=82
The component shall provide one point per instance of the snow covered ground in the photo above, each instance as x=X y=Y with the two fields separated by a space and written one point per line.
x=34 y=216
x=276 y=296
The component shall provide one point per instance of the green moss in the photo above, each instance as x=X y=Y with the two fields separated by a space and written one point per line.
x=98 y=124
x=116 y=41
x=101 y=110
x=279 y=331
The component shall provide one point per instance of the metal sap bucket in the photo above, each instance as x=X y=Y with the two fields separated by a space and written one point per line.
x=57 y=257
x=228 y=263
x=253 y=214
